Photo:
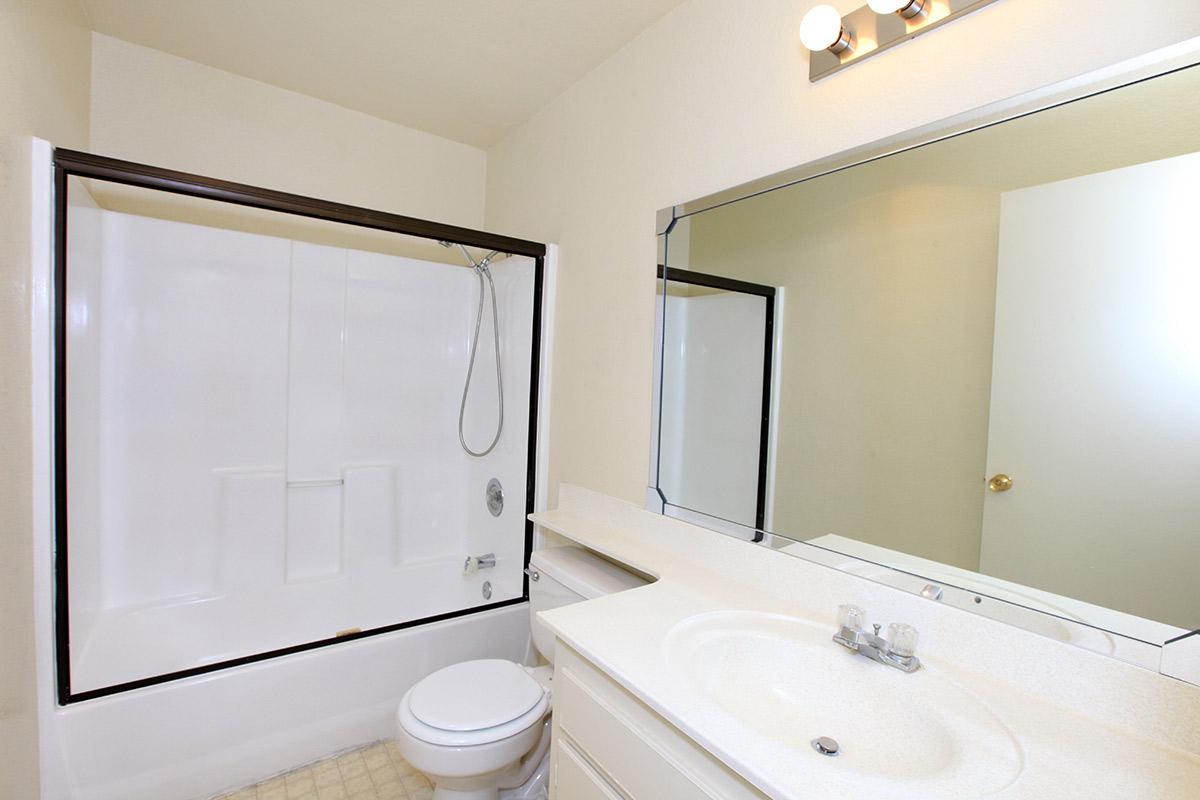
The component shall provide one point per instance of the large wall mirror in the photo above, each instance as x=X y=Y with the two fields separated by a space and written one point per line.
x=975 y=360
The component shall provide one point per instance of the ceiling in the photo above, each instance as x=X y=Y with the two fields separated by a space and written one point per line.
x=463 y=69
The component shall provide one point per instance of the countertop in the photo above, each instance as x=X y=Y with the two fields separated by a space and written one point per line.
x=1087 y=726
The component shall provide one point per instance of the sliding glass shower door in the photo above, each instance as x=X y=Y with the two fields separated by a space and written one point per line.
x=258 y=433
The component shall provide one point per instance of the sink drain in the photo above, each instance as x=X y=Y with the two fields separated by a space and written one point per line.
x=826 y=746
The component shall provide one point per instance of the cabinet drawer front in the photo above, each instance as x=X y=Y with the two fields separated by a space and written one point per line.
x=575 y=780
x=622 y=740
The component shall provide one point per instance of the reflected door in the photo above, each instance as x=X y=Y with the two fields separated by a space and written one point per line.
x=1095 y=404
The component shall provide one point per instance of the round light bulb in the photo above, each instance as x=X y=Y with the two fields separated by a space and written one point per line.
x=909 y=9
x=887 y=6
x=821 y=28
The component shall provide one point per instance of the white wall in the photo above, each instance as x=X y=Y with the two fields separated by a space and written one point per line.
x=155 y=108
x=714 y=94
x=44 y=64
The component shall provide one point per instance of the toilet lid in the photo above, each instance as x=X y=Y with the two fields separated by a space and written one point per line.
x=473 y=695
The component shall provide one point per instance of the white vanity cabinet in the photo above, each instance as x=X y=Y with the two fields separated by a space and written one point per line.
x=608 y=745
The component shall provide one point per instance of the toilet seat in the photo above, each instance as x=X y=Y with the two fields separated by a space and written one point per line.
x=473 y=703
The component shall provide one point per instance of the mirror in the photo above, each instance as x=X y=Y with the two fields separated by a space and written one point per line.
x=979 y=365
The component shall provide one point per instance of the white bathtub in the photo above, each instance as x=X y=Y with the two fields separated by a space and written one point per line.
x=195 y=737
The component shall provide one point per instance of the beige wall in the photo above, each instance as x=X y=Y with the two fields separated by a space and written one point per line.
x=44 y=63
x=159 y=109
x=715 y=94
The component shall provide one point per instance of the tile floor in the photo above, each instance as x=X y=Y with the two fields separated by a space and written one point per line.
x=374 y=772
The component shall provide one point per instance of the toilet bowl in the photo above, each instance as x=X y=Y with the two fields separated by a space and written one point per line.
x=480 y=730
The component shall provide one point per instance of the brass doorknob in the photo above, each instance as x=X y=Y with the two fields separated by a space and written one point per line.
x=1000 y=483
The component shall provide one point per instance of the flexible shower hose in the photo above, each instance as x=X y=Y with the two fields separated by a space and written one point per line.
x=482 y=271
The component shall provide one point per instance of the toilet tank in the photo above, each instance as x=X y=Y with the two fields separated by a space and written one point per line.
x=568 y=575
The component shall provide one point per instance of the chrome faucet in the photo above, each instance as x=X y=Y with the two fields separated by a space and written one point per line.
x=899 y=650
x=475 y=563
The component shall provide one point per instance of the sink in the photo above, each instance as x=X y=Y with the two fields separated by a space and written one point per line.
x=784 y=682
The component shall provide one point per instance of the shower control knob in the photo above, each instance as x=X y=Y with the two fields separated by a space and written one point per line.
x=495 y=497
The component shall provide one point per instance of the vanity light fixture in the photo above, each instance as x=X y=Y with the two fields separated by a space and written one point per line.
x=837 y=42
x=822 y=29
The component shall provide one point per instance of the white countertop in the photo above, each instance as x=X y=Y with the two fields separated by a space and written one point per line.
x=1088 y=726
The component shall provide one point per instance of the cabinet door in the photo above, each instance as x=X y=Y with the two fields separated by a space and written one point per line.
x=634 y=750
x=575 y=780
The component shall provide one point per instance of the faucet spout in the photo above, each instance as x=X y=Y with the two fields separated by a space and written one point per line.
x=899 y=652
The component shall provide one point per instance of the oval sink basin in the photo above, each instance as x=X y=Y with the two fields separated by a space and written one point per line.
x=914 y=734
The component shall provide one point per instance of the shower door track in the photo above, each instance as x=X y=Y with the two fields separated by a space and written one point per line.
x=75 y=163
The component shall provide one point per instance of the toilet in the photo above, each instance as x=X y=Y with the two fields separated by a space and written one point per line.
x=480 y=730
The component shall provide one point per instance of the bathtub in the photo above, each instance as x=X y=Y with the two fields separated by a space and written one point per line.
x=195 y=737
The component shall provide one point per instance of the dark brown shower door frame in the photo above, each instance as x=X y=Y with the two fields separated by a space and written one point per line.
x=73 y=163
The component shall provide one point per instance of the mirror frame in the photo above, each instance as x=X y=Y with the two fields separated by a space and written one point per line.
x=1179 y=657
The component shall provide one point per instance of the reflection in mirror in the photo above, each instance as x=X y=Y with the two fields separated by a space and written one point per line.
x=989 y=370
x=718 y=334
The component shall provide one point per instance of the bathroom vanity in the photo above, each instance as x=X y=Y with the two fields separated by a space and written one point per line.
x=718 y=680
x=610 y=745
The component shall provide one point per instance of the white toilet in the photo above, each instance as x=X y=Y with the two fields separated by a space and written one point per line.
x=480 y=730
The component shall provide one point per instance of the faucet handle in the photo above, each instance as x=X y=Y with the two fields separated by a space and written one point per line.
x=902 y=640
x=851 y=617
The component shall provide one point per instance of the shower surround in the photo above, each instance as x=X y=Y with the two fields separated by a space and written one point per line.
x=263 y=445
